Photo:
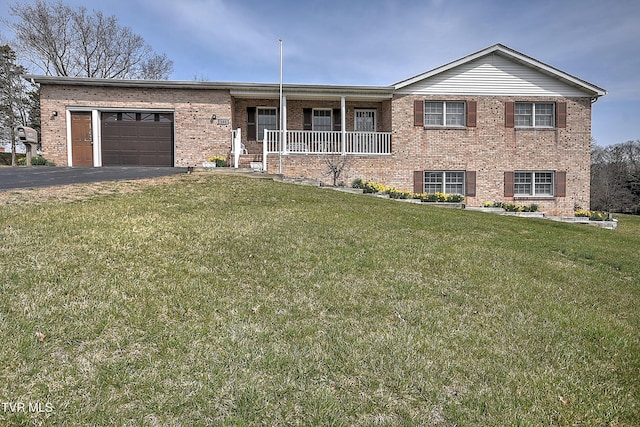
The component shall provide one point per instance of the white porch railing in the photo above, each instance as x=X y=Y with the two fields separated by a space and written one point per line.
x=327 y=142
x=237 y=147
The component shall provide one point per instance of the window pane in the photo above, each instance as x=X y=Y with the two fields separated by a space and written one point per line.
x=523 y=108
x=544 y=115
x=455 y=113
x=432 y=182
x=322 y=120
x=522 y=183
x=544 y=183
x=433 y=113
x=523 y=114
x=267 y=119
x=433 y=107
x=454 y=183
x=148 y=117
x=130 y=117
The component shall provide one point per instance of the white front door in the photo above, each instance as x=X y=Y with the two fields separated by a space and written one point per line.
x=365 y=121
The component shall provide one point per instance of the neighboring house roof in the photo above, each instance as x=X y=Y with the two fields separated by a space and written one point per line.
x=498 y=70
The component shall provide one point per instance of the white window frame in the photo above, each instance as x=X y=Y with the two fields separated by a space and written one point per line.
x=314 y=126
x=533 y=116
x=530 y=180
x=444 y=115
x=445 y=180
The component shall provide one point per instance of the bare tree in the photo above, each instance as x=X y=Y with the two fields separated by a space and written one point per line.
x=14 y=96
x=65 y=41
x=615 y=177
x=336 y=164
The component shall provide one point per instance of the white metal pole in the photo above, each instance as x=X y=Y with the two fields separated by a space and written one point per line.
x=282 y=142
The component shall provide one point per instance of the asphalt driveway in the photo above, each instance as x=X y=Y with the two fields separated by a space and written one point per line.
x=12 y=178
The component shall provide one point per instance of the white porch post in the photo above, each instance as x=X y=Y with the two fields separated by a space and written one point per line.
x=264 y=154
x=69 y=144
x=283 y=122
x=95 y=136
x=237 y=147
x=343 y=124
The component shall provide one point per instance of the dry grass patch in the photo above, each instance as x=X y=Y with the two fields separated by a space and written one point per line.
x=76 y=192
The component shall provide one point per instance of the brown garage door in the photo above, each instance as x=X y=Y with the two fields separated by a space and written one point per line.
x=137 y=139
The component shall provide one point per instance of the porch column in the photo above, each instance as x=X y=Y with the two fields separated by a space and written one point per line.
x=343 y=123
x=97 y=143
x=283 y=124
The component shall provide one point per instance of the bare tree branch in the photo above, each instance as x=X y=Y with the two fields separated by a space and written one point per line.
x=336 y=164
x=63 y=41
x=14 y=97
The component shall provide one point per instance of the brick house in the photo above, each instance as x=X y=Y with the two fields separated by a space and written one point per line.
x=494 y=125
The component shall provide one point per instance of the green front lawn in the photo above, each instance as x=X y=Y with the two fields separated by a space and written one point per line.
x=237 y=301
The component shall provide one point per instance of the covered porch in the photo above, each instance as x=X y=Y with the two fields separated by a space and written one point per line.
x=311 y=120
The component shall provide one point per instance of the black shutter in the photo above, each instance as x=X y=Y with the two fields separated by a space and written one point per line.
x=251 y=124
x=508 y=184
x=561 y=184
x=472 y=107
x=470 y=184
x=561 y=114
x=418 y=113
x=337 y=119
x=307 y=119
x=418 y=182
x=509 y=114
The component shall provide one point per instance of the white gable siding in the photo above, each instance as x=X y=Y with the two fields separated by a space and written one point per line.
x=493 y=75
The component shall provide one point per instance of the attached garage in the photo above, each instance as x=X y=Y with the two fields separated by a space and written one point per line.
x=137 y=139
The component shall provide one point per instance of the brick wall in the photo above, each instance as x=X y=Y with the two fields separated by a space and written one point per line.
x=489 y=149
x=196 y=137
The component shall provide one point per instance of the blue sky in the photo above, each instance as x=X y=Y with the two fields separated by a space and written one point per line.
x=377 y=42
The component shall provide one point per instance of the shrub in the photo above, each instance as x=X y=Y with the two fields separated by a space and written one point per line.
x=368 y=186
x=598 y=216
x=592 y=215
x=38 y=161
x=35 y=161
x=218 y=160
x=394 y=193
x=455 y=198
x=510 y=207
x=429 y=197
